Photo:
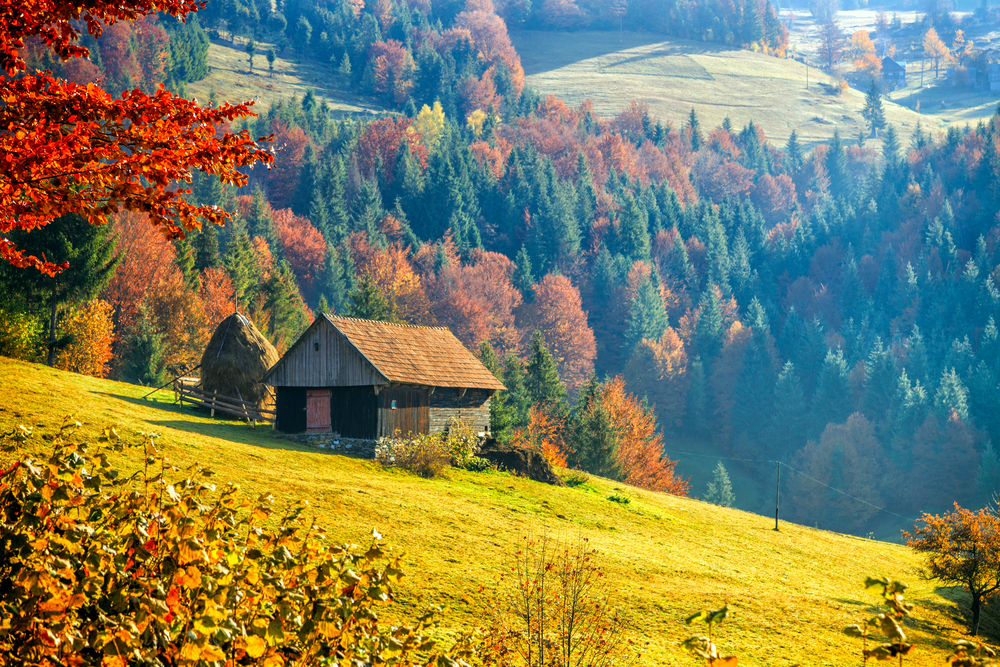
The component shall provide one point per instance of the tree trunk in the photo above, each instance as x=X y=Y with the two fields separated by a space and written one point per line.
x=975 y=614
x=51 y=358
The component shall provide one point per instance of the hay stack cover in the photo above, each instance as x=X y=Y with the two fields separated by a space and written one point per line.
x=236 y=359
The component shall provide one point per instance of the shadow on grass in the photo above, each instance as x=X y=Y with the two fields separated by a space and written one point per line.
x=595 y=44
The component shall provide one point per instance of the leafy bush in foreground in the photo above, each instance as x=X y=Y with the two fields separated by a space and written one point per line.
x=101 y=569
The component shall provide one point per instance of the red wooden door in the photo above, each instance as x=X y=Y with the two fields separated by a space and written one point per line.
x=318 y=411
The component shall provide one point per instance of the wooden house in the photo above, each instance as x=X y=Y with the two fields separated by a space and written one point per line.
x=893 y=73
x=367 y=379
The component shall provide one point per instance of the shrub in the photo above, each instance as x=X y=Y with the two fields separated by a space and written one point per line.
x=103 y=568
x=463 y=442
x=620 y=498
x=555 y=607
x=479 y=464
x=21 y=335
x=575 y=477
x=426 y=454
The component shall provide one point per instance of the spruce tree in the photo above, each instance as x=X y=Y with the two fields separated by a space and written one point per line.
x=831 y=403
x=594 y=436
x=90 y=250
x=523 y=279
x=708 y=329
x=503 y=415
x=988 y=476
x=789 y=412
x=206 y=247
x=143 y=352
x=951 y=398
x=647 y=317
x=307 y=186
x=753 y=393
x=836 y=165
x=890 y=145
x=542 y=376
x=241 y=265
x=367 y=302
x=259 y=222
x=694 y=128
x=288 y=313
x=720 y=489
x=633 y=229
x=518 y=397
x=793 y=153
x=873 y=111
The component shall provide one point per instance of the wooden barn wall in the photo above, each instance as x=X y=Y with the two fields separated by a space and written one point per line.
x=411 y=414
x=290 y=408
x=335 y=364
x=354 y=412
x=473 y=408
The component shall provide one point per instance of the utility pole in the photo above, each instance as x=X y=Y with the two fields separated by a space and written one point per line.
x=777 y=494
x=806 y=63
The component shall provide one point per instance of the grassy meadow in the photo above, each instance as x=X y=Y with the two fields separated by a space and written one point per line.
x=791 y=591
x=674 y=75
x=231 y=80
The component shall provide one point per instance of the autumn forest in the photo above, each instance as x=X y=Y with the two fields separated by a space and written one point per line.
x=633 y=280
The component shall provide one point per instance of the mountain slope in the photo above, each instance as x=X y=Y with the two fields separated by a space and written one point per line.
x=675 y=75
x=792 y=591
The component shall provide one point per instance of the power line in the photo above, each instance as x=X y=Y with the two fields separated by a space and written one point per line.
x=796 y=471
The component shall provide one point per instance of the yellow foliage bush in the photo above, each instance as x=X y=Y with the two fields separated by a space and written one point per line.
x=103 y=568
x=92 y=333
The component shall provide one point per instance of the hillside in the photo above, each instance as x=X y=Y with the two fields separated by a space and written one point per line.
x=674 y=75
x=792 y=591
x=231 y=80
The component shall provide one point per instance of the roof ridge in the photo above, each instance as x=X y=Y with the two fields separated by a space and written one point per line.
x=404 y=325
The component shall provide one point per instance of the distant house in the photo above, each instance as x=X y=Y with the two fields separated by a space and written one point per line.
x=367 y=379
x=893 y=73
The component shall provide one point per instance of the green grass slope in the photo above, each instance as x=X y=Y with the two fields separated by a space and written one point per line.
x=231 y=80
x=674 y=75
x=792 y=591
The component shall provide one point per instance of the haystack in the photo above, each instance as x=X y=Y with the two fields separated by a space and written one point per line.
x=236 y=359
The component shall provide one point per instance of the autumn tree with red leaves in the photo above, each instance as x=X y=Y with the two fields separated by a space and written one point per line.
x=558 y=313
x=68 y=148
x=303 y=247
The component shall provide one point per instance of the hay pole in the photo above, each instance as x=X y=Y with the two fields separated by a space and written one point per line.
x=175 y=378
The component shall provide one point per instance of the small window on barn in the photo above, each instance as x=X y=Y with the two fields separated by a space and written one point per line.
x=316 y=345
x=393 y=406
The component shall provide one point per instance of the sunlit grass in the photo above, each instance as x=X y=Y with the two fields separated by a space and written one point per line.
x=673 y=76
x=791 y=591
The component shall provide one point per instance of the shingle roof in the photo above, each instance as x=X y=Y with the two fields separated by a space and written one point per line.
x=411 y=354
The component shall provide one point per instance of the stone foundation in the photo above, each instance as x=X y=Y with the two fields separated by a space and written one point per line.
x=334 y=443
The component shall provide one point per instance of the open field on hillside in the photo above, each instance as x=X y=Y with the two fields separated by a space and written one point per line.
x=231 y=80
x=937 y=100
x=673 y=76
x=792 y=591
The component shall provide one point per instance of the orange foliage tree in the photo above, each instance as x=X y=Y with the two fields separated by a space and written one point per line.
x=658 y=370
x=147 y=258
x=284 y=176
x=93 y=333
x=477 y=301
x=379 y=143
x=68 y=148
x=639 y=450
x=393 y=67
x=558 y=313
x=216 y=295
x=543 y=434
x=303 y=246
x=963 y=548
x=394 y=276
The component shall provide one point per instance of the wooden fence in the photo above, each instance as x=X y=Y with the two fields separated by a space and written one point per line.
x=186 y=391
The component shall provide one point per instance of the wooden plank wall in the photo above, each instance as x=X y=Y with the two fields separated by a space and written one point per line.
x=335 y=364
x=354 y=412
x=411 y=415
x=446 y=403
